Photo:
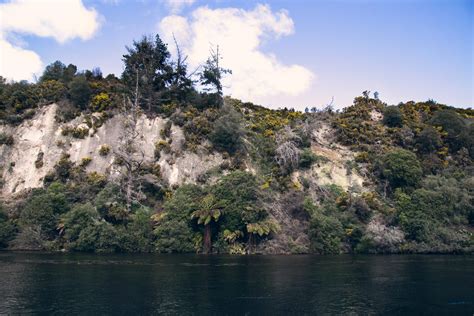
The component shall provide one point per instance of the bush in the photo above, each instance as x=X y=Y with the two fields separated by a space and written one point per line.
x=39 y=160
x=227 y=132
x=307 y=158
x=85 y=162
x=139 y=232
x=104 y=150
x=428 y=141
x=6 y=139
x=74 y=221
x=80 y=92
x=326 y=234
x=44 y=207
x=100 y=237
x=166 y=131
x=238 y=192
x=174 y=236
x=451 y=123
x=100 y=102
x=7 y=229
x=58 y=71
x=392 y=117
x=79 y=132
x=51 y=91
x=401 y=168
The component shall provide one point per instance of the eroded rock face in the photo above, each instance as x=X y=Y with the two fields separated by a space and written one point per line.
x=41 y=137
x=335 y=168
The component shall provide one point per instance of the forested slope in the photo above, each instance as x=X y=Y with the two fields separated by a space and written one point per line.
x=150 y=163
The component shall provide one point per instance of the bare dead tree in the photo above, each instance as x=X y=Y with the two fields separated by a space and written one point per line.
x=129 y=156
x=287 y=151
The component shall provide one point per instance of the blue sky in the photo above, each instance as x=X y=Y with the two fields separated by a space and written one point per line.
x=302 y=54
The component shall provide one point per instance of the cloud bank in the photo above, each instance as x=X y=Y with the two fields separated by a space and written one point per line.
x=176 y=6
x=257 y=76
x=62 y=20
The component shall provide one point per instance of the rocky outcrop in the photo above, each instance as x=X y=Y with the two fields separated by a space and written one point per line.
x=39 y=143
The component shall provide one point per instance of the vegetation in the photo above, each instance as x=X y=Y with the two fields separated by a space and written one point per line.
x=372 y=177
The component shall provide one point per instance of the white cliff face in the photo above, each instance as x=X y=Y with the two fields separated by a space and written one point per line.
x=42 y=134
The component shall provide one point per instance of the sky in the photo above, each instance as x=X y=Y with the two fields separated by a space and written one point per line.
x=284 y=53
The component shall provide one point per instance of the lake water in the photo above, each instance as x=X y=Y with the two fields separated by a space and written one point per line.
x=42 y=283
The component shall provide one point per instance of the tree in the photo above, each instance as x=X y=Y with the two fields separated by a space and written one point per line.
x=453 y=124
x=428 y=140
x=80 y=91
x=212 y=72
x=209 y=210
x=180 y=85
x=392 y=116
x=147 y=66
x=401 y=168
x=7 y=229
x=173 y=231
x=227 y=132
x=287 y=152
x=51 y=91
x=59 y=72
x=325 y=234
x=130 y=157
x=261 y=228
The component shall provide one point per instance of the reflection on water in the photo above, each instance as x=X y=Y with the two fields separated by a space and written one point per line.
x=189 y=284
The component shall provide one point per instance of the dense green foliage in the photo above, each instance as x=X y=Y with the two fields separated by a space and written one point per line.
x=416 y=193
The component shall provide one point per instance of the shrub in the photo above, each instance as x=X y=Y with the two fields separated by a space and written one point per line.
x=58 y=71
x=174 y=236
x=401 y=168
x=6 y=139
x=78 y=218
x=85 y=162
x=362 y=157
x=96 y=179
x=227 y=131
x=326 y=234
x=139 y=232
x=392 y=117
x=77 y=132
x=428 y=140
x=361 y=209
x=451 y=123
x=307 y=158
x=63 y=168
x=100 y=102
x=39 y=160
x=7 y=229
x=104 y=150
x=100 y=237
x=166 y=131
x=44 y=207
x=50 y=91
x=80 y=91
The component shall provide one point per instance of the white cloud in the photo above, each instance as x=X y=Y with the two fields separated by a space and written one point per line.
x=257 y=76
x=62 y=20
x=176 y=6
x=17 y=63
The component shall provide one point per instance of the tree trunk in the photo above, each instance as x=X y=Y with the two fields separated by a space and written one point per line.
x=207 y=239
x=251 y=243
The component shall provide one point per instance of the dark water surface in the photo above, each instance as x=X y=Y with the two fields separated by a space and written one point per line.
x=275 y=285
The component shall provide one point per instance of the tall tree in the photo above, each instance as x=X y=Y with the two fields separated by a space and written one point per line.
x=129 y=156
x=59 y=72
x=213 y=72
x=209 y=210
x=147 y=65
x=180 y=83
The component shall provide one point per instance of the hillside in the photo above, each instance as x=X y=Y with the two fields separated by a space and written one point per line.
x=142 y=164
